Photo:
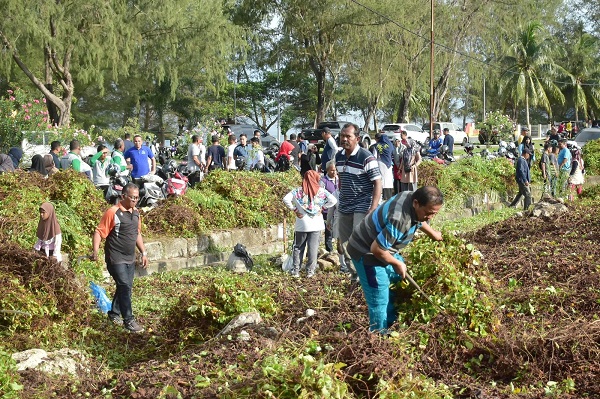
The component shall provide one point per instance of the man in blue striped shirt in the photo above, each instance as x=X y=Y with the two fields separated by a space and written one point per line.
x=360 y=182
x=375 y=244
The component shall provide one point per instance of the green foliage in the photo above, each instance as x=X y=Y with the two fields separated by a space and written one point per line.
x=211 y=300
x=460 y=279
x=468 y=176
x=77 y=202
x=496 y=127
x=303 y=376
x=9 y=379
x=225 y=200
x=591 y=157
x=18 y=113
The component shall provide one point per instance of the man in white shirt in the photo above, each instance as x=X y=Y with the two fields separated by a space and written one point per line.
x=196 y=161
x=256 y=155
x=232 y=140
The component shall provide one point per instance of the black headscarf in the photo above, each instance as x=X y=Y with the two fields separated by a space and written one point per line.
x=37 y=165
x=15 y=153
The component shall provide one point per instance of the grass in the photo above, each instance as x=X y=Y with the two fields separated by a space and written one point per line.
x=476 y=222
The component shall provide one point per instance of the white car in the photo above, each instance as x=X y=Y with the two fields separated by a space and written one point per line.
x=587 y=134
x=413 y=131
x=460 y=137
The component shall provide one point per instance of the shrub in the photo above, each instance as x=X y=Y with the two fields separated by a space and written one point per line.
x=591 y=157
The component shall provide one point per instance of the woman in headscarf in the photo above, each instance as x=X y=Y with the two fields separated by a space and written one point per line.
x=307 y=203
x=37 y=165
x=15 y=153
x=6 y=164
x=49 y=165
x=576 y=179
x=48 y=233
x=527 y=143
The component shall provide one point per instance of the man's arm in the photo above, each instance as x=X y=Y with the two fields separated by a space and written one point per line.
x=96 y=239
x=153 y=169
x=431 y=233
x=388 y=259
x=139 y=242
x=377 y=190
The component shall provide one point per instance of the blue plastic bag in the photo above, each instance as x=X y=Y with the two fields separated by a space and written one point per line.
x=102 y=301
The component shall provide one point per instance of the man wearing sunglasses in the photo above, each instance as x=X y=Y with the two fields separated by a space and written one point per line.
x=121 y=227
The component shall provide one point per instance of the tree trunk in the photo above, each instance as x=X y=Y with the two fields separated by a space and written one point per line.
x=52 y=110
x=404 y=105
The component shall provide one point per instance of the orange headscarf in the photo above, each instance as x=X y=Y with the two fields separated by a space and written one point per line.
x=310 y=184
x=48 y=228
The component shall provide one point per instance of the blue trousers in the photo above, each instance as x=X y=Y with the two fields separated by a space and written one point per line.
x=375 y=282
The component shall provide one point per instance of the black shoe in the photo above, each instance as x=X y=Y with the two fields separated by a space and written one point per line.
x=133 y=326
x=115 y=319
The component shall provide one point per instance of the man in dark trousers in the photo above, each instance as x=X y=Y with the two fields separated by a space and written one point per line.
x=121 y=226
x=215 y=155
x=523 y=179
x=449 y=141
x=375 y=244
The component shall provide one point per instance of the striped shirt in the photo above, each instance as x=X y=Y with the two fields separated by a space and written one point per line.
x=356 y=174
x=392 y=225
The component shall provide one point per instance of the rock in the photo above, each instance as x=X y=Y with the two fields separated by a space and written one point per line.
x=61 y=362
x=324 y=265
x=236 y=264
x=322 y=252
x=269 y=332
x=243 y=336
x=548 y=209
x=310 y=312
x=241 y=320
x=334 y=259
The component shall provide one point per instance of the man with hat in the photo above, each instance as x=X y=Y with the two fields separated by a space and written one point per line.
x=524 y=132
x=435 y=144
x=329 y=150
x=523 y=179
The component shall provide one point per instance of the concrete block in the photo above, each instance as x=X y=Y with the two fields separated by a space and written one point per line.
x=175 y=248
x=197 y=245
x=221 y=239
x=154 y=250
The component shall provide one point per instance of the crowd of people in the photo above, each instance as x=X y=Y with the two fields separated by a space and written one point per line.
x=365 y=201
x=561 y=164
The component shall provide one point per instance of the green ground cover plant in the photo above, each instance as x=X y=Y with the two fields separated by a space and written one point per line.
x=505 y=289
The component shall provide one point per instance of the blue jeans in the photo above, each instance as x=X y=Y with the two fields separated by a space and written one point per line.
x=122 y=273
x=375 y=282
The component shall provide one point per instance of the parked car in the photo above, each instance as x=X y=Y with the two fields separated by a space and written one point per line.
x=413 y=131
x=266 y=140
x=587 y=134
x=315 y=135
x=460 y=137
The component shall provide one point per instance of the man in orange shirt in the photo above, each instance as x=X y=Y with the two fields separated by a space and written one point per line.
x=121 y=227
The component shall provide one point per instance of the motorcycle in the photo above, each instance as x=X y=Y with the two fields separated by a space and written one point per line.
x=152 y=191
x=176 y=179
x=116 y=184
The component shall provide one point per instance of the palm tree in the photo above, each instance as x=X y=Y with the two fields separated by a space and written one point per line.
x=530 y=70
x=583 y=67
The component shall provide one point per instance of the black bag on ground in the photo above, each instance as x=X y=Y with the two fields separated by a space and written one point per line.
x=240 y=251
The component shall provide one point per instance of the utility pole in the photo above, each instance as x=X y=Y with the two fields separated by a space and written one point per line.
x=431 y=64
x=483 y=98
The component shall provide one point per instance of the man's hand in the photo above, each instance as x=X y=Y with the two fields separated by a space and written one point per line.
x=94 y=256
x=400 y=268
x=144 y=261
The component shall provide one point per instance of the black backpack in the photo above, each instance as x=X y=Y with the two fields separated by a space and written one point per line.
x=240 y=251
x=283 y=164
x=407 y=158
